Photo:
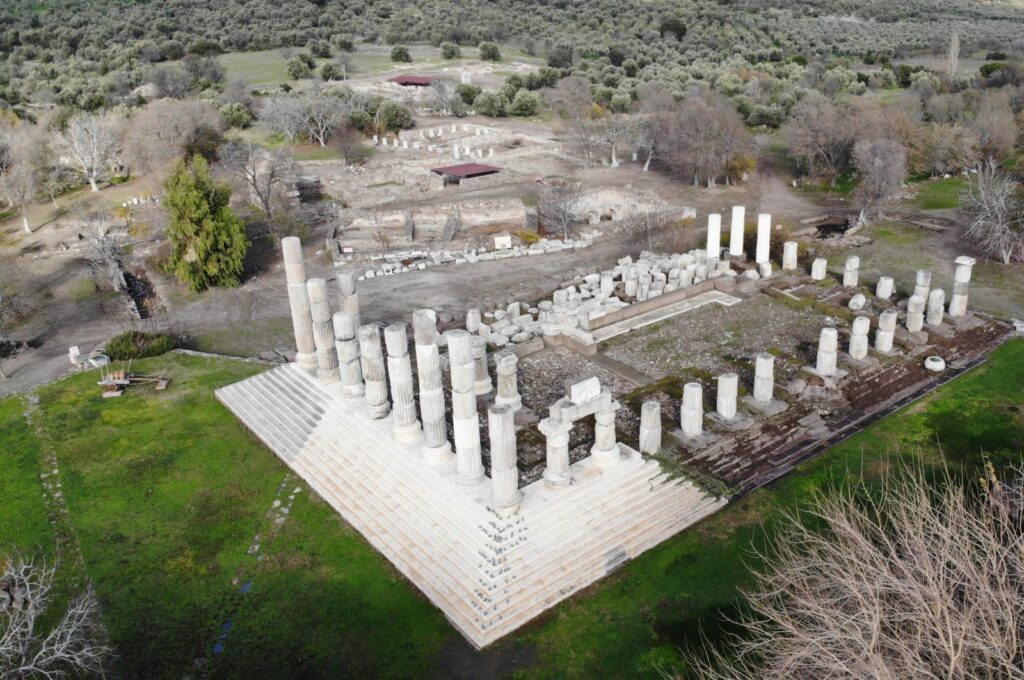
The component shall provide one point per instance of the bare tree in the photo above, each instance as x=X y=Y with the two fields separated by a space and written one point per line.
x=104 y=252
x=557 y=206
x=92 y=144
x=997 y=225
x=995 y=126
x=704 y=138
x=572 y=95
x=347 y=140
x=445 y=97
x=911 y=583
x=949 y=148
x=19 y=174
x=313 y=117
x=71 y=647
x=819 y=137
x=953 y=56
x=655 y=104
x=882 y=165
x=265 y=172
x=648 y=225
x=168 y=129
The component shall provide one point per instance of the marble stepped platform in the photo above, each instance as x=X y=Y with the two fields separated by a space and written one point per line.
x=489 y=575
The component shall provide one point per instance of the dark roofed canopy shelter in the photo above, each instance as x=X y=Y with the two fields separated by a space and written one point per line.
x=454 y=174
x=414 y=81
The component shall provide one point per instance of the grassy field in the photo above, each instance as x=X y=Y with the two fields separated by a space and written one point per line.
x=940 y=194
x=167 y=493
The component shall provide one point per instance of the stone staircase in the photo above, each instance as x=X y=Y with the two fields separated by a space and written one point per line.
x=489 y=575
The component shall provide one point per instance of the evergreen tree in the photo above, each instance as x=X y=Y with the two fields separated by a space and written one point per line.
x=208 y=239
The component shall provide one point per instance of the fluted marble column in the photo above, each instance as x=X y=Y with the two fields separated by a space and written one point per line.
x=819 y=269
x=436 y=447
x=371 y=358
x=961 y=284
x=691 y=416
x=714 y=244
x=915 y=313
x=828 y=348
x=405 y=426
x=790 y=252
x=936 y=307
x=556 y=471
x=298 y=302
x=482 y=384
x=323 y=331
x=347 y=347
x=885 y=287
x=465 y=417
x=764 y=377
x=505 y=366
x=736 y=229
x=764 y=235
x=605 y=453
x=505 y=493
x=886 y=330
x=650 y=427
x=728 y=388
x=347 y=295
x=859 y=337
x=851 y=272
x=922 y=283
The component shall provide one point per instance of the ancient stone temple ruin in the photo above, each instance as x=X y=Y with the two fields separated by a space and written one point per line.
x=498 y=504
x=369 y=431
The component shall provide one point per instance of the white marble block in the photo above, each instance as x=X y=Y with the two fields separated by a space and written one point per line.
x=886 y=330
x=764 y=235
x=650 y=427
x=885 y=288
x=714 y=244
x=692 y=410
x=790 y=251
x=859 y=337
x=764 y=377
x=828 y=347
x=936 y=306
x=728 y=389
x=819 y=269
x=736 y=229
x=851 y=271
x=582 y=391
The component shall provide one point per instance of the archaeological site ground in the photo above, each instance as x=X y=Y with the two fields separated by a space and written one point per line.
x=456 y=346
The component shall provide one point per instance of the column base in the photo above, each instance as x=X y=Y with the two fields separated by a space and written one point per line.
x=407 y=433
x=437 y=455
x=516 y=403
x=378 y=412
x=471 y=480
x=510 y=508
x=557 y=480
x=307 y=361
x=328 y=376
x=482 y=387
x=606 y=458
x=353 y=391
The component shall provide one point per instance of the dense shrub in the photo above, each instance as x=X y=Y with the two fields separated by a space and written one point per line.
x=138 y=345
x=491 y=104
x=489 y=52
x=450 y=50
x=236 y=115
x=400 y=53
x=524 y=104
x=468 y=93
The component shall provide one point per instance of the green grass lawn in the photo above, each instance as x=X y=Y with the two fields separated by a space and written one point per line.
x=940 y=194
x=166 y=491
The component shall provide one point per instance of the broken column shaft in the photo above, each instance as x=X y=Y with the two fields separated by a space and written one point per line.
x=739 y=216
x=323 y=332
x=298 y=302
x=347 y=347
x=436 y=447
x=405 y=427
x=650 y=427
x=505 y=493
x=465 y=417
x=371 y=358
